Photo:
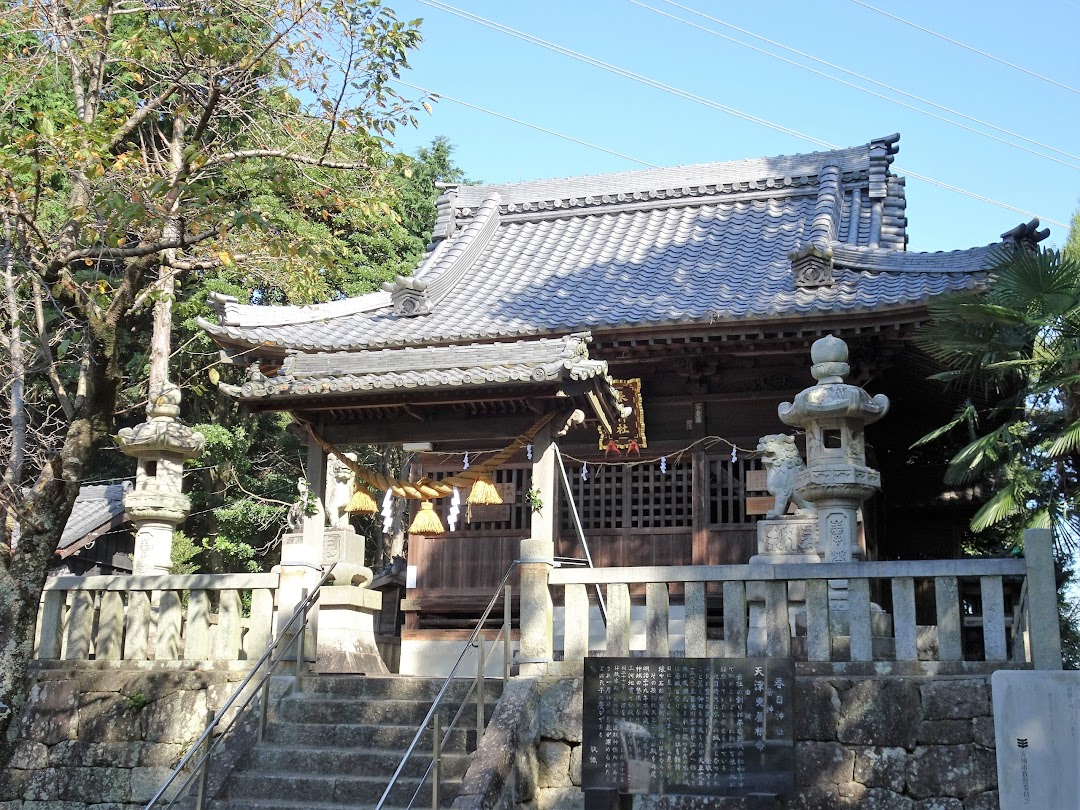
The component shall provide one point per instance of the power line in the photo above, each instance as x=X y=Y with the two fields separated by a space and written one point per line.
x=537 y=127
x=990 y=56
x=864 y=78
x=589 y=60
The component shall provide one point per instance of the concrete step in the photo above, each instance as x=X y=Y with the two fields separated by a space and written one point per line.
x=346 y=790
x=422 y=801
x=352 y=762
x=403 y=687
x=360 y=735
x=325 y=708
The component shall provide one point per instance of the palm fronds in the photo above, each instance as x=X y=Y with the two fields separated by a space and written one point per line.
x=1018 y=344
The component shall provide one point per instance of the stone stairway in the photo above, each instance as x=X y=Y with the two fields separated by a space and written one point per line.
x=337 y=744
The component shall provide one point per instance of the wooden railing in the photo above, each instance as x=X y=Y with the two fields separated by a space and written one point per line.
x=160 y=618
x=830 y=634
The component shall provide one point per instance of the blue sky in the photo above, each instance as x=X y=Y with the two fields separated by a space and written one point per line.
x=467 y=61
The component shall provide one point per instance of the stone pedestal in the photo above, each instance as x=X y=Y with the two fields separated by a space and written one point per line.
x=346 y=637
x=346 y=633
x=792 y=539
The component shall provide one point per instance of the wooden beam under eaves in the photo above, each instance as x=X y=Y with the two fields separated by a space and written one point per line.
x=496 y=429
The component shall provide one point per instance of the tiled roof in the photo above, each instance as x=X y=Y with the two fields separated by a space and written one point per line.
x=692 y=245
x=95 y=506
x=467 y=366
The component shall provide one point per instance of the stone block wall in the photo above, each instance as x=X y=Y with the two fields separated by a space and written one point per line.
x=106 y=738
x=895 y=743
x=888 y=743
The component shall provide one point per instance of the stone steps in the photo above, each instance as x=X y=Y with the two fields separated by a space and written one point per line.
x=356 y=735
x=353 y=762
x=398 y=687
x=373 y=711
x=351 y=790
x=337 y=744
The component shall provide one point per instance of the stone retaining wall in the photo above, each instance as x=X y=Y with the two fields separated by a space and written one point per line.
x=99 y=737
x=890 y=743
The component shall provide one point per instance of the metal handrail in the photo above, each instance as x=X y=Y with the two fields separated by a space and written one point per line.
x=476 y=688
x=579 y=529
x=301 y=610
x=443 y=689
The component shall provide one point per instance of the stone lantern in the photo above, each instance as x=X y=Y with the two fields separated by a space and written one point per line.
x=158 y=505
x=836 y=479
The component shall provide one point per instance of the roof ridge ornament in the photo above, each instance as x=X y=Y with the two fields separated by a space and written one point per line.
x=445 y=212
x=449 y=261
x=813 y=262
x=882 y=154
x=409 y=296
x=1026 y=234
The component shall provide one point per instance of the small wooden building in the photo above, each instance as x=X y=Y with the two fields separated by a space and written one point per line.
x=675 y=308
x=97 y=538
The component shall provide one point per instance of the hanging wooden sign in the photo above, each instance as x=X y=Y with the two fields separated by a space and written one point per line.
x=627 y=435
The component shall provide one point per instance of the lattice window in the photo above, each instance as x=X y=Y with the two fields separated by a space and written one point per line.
x=728 y=490
x=638 y=496
x=599 y=500
x=660 y=499
x=512 y=515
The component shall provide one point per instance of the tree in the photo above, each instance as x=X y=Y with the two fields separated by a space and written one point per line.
x=1015 y=349
x=129 y=129
x=246 y=479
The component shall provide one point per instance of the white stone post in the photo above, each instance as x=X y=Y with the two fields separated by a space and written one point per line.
x=1042 y=600
x=537 y=556
x=302 y=552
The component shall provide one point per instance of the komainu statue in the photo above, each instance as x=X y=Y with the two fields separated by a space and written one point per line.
x=340 y=482
x=782 y=463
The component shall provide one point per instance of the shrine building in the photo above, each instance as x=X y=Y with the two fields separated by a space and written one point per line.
x=647 y=324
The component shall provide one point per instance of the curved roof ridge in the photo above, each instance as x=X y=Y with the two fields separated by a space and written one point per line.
x=232 y=313
x=767 y=172
x=440 y=272
x=885 y=260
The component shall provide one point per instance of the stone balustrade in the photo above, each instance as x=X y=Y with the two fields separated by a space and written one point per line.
x=863 y=632
x=156 y=617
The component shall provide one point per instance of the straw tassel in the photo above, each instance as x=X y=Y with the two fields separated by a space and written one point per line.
x=361 y=502
x=427 y=521
x=484 y=493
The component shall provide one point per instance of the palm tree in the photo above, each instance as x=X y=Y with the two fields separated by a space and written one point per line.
x=1014 y=349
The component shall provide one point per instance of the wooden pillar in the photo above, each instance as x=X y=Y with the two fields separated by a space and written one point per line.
x=537 y=556
x=699 y=487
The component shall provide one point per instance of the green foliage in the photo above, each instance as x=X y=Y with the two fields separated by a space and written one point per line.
x=184 y=554
x=1015 y=350
x=533 y=500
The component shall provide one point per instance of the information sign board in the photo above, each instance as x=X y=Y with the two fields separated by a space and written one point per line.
x=689 y=726
x=1037 y=730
